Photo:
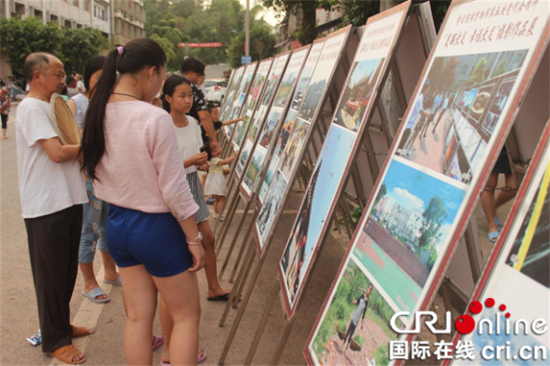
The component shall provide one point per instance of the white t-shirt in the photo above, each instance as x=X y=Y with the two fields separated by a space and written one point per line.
x=189 y=141
x=45 y=186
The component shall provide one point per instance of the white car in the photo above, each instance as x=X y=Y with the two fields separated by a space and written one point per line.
x=215 y=89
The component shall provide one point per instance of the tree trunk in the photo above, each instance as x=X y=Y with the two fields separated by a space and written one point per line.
x=308 y=33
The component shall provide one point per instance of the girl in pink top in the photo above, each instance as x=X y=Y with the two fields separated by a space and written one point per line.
x=131 y=154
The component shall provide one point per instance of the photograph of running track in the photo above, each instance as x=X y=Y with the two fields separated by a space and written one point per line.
x=406 y=230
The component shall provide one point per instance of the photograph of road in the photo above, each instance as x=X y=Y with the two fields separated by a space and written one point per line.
x=407 y=229
x=357 y=95
x=355 y=330
x=305 y=236
x=453 y=117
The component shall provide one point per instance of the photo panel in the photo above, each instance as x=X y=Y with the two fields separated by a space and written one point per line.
x=232 y=91
x=370 y=62
x=269 y=209
x=357 y=94
x=252 y=133
x=454 y=116
x=510 y=37
x=299 y=252
x=520 y=261
x=272 y=123
x=405 y=231
x=241 y=94
x=355 y=328
x=291 y=115
x=317 y=60
x=251 y=103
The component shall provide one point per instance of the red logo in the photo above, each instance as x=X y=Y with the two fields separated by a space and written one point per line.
x=465 y=324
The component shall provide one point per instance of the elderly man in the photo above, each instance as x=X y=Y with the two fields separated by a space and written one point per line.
x=52 y=192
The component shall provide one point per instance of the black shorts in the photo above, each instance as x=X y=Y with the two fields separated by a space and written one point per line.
x=4 y=121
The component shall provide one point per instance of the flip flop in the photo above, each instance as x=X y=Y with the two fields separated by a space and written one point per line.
x=98 y=291
x=493 y=236
x=66 y=354
x=118 y=282
x=199 y=359
x=159 y=341
x=219 y=298
x=81 y=331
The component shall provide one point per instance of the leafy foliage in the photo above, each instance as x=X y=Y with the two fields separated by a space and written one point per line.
x=21 y=37
x=76 y=47
x=73 y=47
x=432 y=218
x=194 y=21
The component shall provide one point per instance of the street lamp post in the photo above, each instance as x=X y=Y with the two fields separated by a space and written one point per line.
x=247 y=29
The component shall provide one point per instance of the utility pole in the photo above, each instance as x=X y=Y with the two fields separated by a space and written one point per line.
x=247 y=29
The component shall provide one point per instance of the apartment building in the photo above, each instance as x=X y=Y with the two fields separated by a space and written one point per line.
x=128 y=20
x=76 y=14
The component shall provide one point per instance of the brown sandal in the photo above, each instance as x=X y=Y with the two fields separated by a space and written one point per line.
x=66 y=354
x=81 y=331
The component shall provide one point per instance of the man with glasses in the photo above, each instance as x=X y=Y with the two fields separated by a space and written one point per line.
x=193 y=70
x=52 y=192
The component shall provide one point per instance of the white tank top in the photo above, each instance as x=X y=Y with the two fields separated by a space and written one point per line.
x=81 y=107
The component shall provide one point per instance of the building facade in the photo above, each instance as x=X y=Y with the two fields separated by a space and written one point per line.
x=128 y=20
x=75 y=14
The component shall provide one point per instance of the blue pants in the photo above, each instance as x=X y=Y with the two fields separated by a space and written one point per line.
x=94 y=226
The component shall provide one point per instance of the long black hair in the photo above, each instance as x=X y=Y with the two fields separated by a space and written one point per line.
x=92 y=66
x=136 y=55
x=169 y=88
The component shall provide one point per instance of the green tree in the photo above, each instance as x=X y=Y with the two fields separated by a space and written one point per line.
x=500 y=69
x=21 y=37
x=381 y=193
x=166 y=46
x=432 y=218
x=479 y=73
x=76 y=47
x=262 y=44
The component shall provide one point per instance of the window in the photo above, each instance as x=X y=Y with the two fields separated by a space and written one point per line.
x=75 y=3
x=54 y=18
x=100 y=11
x=87 y=5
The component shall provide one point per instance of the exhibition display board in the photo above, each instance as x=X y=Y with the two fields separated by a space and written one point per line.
x=278 y=110
x=236 y=106
x=520 y=260
x=351 y=117
x=230 y=88
x=465 y=103
x=248 y=143
x=251 y=102
x=231 y=92
x=296 y=132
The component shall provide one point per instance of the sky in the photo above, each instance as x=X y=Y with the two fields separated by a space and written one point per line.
x=269 y=15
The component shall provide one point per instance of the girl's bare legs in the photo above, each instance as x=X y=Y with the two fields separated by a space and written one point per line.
x=488 y=202
x=220 y=200
x=140 y=299
x=181 y=298
x=505 y=196
x=167 y=327
x=210 y=266
x=111 y=273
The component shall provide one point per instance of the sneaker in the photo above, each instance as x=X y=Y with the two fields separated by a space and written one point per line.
x=222 y=217
x=210 y=201
x=215 y=216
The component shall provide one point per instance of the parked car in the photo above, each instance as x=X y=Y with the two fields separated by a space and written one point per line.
x=16 y=93
x=215 y=89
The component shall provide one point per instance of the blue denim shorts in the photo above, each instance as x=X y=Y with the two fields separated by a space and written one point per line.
x=155 y=240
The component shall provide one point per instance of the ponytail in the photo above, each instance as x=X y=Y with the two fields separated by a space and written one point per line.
x=93 y=138
x=131 y=58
